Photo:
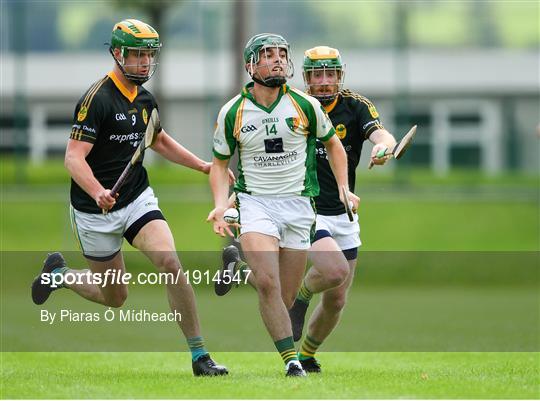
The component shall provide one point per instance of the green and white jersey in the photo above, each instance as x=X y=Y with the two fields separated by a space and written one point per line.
x=276 y=144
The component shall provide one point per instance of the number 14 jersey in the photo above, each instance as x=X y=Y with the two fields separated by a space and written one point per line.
x=276 y=144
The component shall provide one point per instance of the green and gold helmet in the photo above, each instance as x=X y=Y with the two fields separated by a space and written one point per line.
x=134 y=37
x=252 y=55
x=328 y=61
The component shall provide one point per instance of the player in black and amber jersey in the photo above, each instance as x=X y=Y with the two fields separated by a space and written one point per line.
x=109 y=122
x=113 y=121
x=335 y=248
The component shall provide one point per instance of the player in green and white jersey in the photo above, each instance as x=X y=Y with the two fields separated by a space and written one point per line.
x=275 y=129
x=335 y=245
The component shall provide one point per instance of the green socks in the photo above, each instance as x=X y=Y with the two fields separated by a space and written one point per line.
x=242 y=267
x=286 y=349
x=196 y=346
x=304 y=294
x=309 y=347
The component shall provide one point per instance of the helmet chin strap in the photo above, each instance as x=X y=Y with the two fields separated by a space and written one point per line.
x=272 y=82
x=325 y=100
x=130 y=77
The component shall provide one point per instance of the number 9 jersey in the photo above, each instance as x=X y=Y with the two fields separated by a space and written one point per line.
x=114 y=121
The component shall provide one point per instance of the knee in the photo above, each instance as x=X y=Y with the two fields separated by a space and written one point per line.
x=267 y=286
x=117 y=299
x=168 y=263
x=337 y=275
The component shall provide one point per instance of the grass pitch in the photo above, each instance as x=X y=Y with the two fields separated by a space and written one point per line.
x=260 y=376
x=463 y=212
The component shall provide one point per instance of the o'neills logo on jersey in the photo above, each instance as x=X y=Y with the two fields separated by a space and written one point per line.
x=370 y=123
x=271 y=160
x=84 y=128
x=82 y=114
x=341 y=131
x=145 y=116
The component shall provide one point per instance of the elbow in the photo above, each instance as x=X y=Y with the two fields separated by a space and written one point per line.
x=337 y=151
x=156 y=146
x=69 y=161
x=160 y=142
x=218 y=172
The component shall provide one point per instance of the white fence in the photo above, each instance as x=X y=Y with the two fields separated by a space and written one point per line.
x=446 y=130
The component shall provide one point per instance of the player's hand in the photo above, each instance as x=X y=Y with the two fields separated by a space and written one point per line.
x=104 y=199
x=355 y=200
x=378 y=155
x=221 y=227
x=206 y=167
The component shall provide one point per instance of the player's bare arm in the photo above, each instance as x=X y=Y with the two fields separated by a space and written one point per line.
x=102 y=140
x=219 y=183
x=338 y=162
x=382 y=140
x=80 y=171
x=171 y=150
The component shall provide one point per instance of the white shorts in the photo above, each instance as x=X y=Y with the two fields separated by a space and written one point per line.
x=100 y=236
x=345 y=233
x=290 y=219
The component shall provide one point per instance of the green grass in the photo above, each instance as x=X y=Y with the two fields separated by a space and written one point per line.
x=260 y=376
x=405 y=210
x=414 y=301
x=388 y=221
x=52 y=171
x=377 y=318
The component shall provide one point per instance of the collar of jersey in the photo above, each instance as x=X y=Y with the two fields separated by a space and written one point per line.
x=125 y=91
x=332 y=105
x=247 y=94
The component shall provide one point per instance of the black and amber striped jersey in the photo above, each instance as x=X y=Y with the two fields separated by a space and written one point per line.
x=114 y=121
x=354 y=118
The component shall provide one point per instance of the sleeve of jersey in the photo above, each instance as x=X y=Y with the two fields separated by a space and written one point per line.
x=325 y=129
x=224 y=142
x=87 y=120
x=368 y=118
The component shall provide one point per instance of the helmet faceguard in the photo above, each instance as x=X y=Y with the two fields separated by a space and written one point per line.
x=326 y=61
x=256 y=50
x=139 y=49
